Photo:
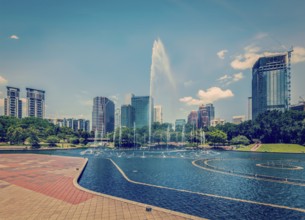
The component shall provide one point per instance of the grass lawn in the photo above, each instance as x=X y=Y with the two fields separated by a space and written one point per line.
x=277 y=148
x=245 y=148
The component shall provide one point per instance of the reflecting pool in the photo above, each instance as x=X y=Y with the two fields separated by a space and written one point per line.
x=205 y=183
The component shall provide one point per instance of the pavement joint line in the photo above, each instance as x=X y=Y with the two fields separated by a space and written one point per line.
x=206 y=194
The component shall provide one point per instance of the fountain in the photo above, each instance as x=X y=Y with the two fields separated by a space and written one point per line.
x=134 y=134
x=159 y=65
x=167 y=136
x=120 y=136
x=183 y=134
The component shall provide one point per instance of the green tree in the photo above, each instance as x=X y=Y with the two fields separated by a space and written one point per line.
x=33 y=138
x=52 y=140
x=217 y=136
x=240 y=140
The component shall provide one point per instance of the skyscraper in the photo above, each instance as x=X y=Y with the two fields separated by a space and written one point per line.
x=103 y=115
x=193 y=118
x=158 y=115
x=35 y=103
x=270 y=84
x=127 y=116
x=12 y=104
x=206 y=113
x=141 y=106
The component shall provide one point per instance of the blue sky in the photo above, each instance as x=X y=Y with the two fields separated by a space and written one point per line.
x=76 y=50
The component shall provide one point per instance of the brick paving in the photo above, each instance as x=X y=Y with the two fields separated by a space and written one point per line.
x=45 y=187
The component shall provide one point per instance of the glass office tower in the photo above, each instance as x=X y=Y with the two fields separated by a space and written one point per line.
x=270 y=84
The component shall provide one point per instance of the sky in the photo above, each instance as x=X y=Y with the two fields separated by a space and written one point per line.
x=200 y=51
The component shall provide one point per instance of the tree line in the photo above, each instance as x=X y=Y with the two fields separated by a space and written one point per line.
x=34 y=131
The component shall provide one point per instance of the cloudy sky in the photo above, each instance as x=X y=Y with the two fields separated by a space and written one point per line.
x=203 y=51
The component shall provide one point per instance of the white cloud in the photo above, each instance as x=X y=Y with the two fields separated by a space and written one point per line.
x=221 y=54
x=224 y=78
x=238 y=76
x=188 y=83
x=3 y=81
x=260 y=36
x=246 y=60
x=253 y=53
x=209 y=96
x=298 y=55
x=88 y=102
x=14 y=37
x=228 y=79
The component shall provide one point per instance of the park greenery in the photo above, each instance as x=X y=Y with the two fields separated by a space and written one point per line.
x=36 y=132
x=270 y=127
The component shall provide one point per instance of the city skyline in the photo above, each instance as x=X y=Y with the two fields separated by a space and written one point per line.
x=80 y=51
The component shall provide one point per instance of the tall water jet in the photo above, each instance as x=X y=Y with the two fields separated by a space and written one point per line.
x=95 y=137
x=183 y=134
x=134 y=134
x=159 y=65
x=120 y=136
x=167 y=136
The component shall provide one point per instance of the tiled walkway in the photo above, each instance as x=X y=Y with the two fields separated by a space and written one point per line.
x=41 y=187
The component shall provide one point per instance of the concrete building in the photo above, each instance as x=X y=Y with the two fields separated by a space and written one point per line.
x=127 y=116
x=141 y=106
x=35 y=103
x=75 y=124
x=12 y=102
x=238 y=119
x=158 y=114
x=217 y=121
x=270 y=84
x=103 y=115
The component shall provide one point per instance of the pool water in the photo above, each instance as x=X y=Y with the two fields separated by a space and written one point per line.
x=168 y=178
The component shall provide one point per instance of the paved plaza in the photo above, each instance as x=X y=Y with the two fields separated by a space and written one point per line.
x=45 y=187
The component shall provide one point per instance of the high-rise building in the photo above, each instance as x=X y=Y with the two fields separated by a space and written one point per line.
x=35 y=103
x=179 y=123
x=141 y=106
x=270 y=84
x=203 y=117
x=206 y=113
x=193 y=118
x=211 y=112
x=12 y=104
x=249 y=108
x=158 y=115
x=103 y=115
x=127 y=116
x=117 y=118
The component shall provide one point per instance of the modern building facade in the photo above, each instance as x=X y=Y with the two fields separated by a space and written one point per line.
x=158 y=114
x=270 y=84
x=249 y=108
x=127 y=116
x=179 y=123
x=206 y=113
x=12 y=103
x=103 y=115
x=143 y=110
x=117 y=118
x=192 y=118
x=35 y=103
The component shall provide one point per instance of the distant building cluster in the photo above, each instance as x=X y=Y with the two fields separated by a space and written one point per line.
x=202 y=117
x=74 y=124
x=35 y=103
